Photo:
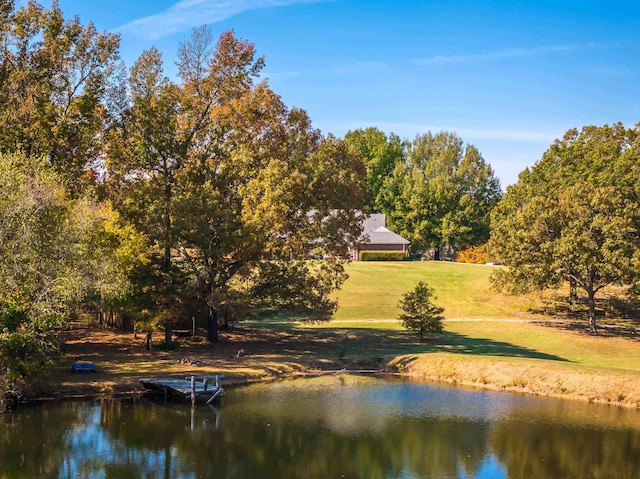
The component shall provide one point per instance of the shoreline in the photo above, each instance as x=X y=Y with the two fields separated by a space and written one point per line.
x=246 y=356
x=541 y=379
x=540 y=382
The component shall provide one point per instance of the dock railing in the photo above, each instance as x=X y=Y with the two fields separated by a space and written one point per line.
x=205 y=384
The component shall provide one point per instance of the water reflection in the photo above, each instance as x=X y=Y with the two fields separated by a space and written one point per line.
x=329 y=427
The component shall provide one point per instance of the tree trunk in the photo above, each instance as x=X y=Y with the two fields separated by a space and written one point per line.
x=168 y=333
x=592 y=310
x=573 y=293
x=212 y=326
x=167 y=226
x=148 y=342
x=225 y=319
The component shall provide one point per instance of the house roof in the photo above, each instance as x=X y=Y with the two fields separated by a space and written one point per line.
x=381 y=235
x=372 y=221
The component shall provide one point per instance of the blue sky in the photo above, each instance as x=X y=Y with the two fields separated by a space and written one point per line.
x=507 y=76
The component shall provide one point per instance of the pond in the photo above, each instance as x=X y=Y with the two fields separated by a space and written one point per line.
x=327 y=427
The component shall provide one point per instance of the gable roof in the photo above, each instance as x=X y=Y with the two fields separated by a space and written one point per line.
x=372 y=221
x=381 y=235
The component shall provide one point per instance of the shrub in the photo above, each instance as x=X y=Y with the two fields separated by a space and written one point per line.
x=383 y=256
x=474 y=254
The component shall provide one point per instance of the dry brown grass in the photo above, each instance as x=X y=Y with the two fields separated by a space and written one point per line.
x=525 y=375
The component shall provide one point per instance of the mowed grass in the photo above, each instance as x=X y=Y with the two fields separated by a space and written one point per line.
x=550 y=343
x=463 y=290
x=490 y=340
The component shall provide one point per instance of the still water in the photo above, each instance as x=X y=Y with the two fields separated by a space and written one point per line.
x=329 y=427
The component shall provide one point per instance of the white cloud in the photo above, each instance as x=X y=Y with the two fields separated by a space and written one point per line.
x=187 y=14
x=501 y=54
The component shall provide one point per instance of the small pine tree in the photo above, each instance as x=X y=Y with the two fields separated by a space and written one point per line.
x=418 y=311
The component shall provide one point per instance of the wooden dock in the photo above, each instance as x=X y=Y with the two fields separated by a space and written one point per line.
x=194 y=388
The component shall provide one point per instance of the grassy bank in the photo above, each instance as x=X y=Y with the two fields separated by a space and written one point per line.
x=490 y=340
x=531 y=358
x=540 y=377
x=518 y=356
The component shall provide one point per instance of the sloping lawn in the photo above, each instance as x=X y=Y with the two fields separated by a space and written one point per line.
x=463 y=290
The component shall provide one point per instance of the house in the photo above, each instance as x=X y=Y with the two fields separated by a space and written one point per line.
x=376 y=237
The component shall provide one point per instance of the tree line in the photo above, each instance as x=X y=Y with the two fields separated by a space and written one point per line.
x=571 y=218
x=435 y=190
x=125 y=190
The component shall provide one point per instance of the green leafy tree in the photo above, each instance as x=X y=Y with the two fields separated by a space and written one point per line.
x=53 y=77
x=419 y=313
x=260 y=187
x=54 y=251
x=218 y=171
x=574 y=216
x=380 y=155
x=144 y=155
x=441 y=194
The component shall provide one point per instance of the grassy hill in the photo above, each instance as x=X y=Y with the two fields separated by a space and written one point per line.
x=463 y=290
x=488 y=339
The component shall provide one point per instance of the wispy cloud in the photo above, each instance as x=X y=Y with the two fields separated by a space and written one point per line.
x=502 y=54
x=187 y=14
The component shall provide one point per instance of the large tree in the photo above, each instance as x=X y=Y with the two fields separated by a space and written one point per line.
x=380 y=154
x=52 y=82
x=441 y=194
x=143 y=157
x=574 y=216
x=219 y=171
x=259 y=189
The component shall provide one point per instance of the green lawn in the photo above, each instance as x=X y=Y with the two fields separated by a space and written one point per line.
x=463 y=290
x=369 y=298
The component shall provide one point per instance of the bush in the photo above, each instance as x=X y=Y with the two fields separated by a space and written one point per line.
x=383 y=256
x=474 y=254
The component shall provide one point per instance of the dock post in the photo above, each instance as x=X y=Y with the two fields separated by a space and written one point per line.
x=193 y=390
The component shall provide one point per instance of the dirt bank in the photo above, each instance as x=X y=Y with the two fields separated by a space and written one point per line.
x=244 y=355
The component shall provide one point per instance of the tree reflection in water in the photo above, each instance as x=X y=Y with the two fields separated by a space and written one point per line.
x=349 y=427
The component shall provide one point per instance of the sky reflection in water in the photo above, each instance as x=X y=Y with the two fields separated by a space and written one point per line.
x=344 y=426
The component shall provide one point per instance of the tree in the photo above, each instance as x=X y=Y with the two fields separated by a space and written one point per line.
x=380 y=154
x=574 y=216
x=218 y=171
x=441 y=194
x=259 y=189
x=419 y=313
x=52 y=81
x=143 y=156
x=54 y=251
